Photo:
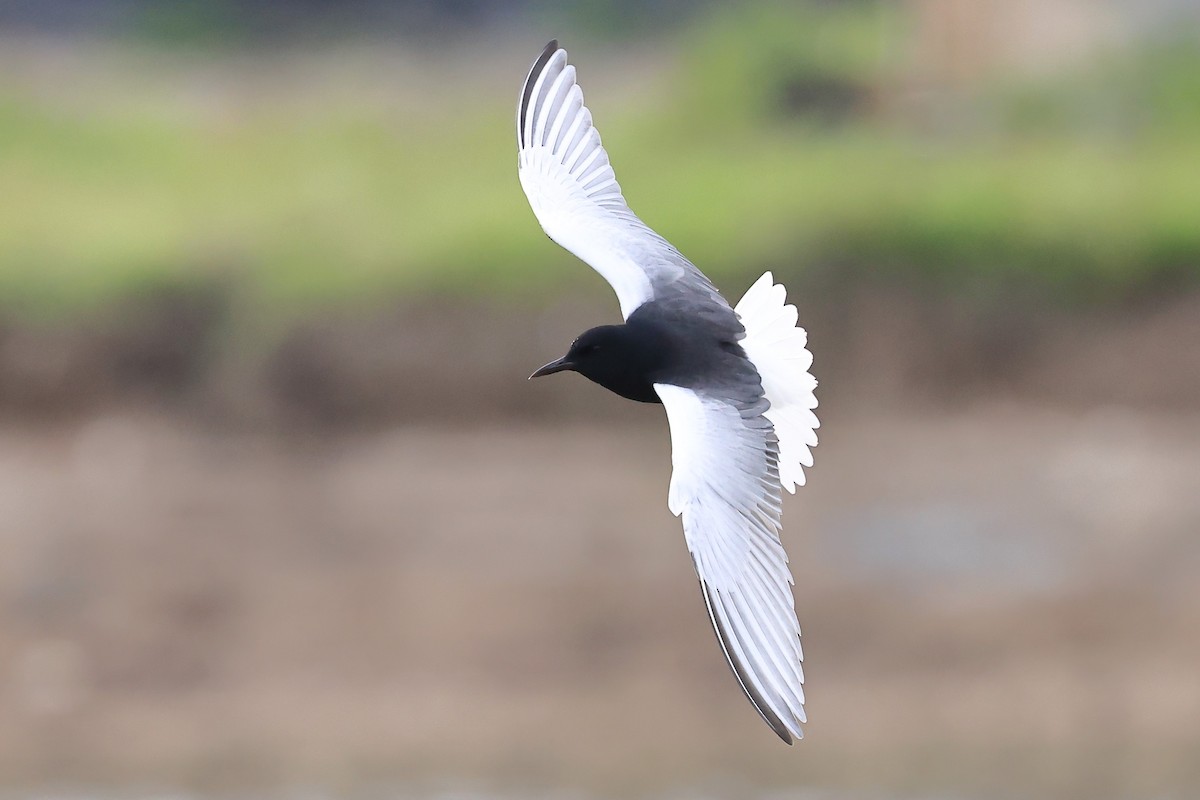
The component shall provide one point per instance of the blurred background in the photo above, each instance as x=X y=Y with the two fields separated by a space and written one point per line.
x=280 y=515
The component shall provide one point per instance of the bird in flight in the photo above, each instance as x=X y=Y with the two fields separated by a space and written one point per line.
x=734 y=382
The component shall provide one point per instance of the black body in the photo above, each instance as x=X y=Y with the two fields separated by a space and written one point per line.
x=658 y=346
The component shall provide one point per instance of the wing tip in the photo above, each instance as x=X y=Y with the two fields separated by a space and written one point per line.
x=539 y=64
x=787 y=733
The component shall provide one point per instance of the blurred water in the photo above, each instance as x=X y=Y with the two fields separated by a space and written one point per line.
x=1010 y=548
x=1005 y=585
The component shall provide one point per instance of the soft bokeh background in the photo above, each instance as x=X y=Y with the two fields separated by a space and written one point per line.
x=281 y=517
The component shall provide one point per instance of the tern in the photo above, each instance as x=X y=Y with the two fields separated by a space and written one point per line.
x=735 y=384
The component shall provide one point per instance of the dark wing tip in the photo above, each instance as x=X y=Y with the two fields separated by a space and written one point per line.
x=756 y=699
x=549 y=50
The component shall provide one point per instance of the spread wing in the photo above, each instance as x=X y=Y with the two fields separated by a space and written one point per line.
x=725 y=484
x=574 y=193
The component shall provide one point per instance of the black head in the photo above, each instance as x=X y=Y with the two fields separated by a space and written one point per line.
x=614 y=357
x=591 y=353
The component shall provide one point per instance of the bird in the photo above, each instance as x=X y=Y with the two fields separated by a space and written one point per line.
x=735 y=383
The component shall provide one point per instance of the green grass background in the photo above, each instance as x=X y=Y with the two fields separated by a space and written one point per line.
x=1084 y=187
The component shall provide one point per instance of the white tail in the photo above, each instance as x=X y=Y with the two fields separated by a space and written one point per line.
x=778 y=351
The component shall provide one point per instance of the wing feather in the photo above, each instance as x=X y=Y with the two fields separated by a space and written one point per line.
x=726 y=488
x=565 y=173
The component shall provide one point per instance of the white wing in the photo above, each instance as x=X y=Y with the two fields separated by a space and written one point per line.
x=726 y=487
x=574 y=193
x=778 y=350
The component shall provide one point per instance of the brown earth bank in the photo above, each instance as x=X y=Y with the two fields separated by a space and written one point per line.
x=998 y=600
x=440 y=359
